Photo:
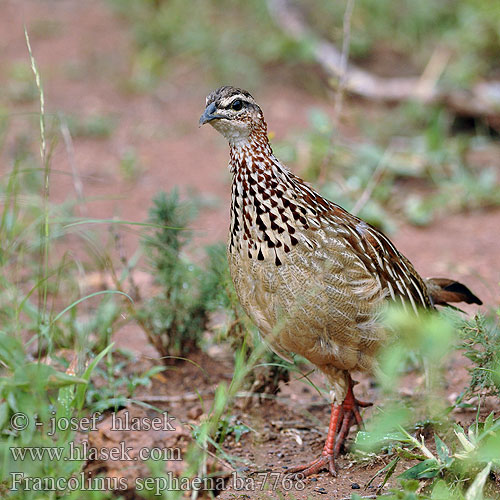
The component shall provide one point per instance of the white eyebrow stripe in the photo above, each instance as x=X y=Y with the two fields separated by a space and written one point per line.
x=229 y=100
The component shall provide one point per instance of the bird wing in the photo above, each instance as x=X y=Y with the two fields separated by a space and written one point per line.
x=395 y=272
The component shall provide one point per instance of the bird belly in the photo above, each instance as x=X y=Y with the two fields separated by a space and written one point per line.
x=320 y=304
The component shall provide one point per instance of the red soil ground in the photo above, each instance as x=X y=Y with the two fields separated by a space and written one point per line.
x=84 y=53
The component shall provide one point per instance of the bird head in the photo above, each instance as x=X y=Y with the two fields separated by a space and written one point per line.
x=234 y=113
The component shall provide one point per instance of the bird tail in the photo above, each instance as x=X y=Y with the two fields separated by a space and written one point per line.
x=443 y=290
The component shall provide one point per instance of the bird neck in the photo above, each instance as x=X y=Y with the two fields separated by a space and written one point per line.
x=261 y=208
x=251 y=152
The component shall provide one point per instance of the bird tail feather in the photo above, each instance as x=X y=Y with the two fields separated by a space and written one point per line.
x=443 y=291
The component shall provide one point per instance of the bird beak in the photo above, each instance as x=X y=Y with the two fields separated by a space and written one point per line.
x=208 y=115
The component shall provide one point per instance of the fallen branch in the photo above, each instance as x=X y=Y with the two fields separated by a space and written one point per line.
x=195 y=396
x=481 y=100
x=177 y=398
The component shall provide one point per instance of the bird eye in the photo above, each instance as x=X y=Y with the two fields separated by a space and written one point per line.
x=237 y=105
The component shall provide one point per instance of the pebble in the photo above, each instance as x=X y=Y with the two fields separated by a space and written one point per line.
x=355 y=486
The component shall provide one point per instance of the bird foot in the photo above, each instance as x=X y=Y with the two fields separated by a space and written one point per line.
x=325 y=461
x=327 y=458
x=343 y=416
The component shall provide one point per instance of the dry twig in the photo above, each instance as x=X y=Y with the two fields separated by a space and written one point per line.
x=339 y=95
x=483 y=99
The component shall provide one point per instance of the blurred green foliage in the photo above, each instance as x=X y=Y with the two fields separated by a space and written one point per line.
x=235 y=41
x=415 y=168
x=469 y=29
x=38 y=393
x=226 y=39
x=456 y=461
x=49 y=347
x=93 y=126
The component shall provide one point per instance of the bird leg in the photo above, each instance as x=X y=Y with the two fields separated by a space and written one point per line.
x=350 y=415
x=327 y=458
x=341 y=419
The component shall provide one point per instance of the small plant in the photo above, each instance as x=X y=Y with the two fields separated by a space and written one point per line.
x=481 y=345
x=130 y=165
x=463 y=471
x=34 y=395
x=112 y=387
x=93 y=126
x=228 y=425
x=176 y=317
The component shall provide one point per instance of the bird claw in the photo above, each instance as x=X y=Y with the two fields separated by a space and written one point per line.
x=323 y=462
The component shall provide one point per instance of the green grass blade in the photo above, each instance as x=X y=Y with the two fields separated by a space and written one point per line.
x=102 y=292
x=475 y=491
x=80 y=391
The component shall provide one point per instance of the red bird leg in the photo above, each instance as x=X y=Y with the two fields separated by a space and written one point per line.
x=342 y=418
x=327 y=458
x=350 y=414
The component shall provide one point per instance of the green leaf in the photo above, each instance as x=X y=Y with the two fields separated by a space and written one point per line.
x=475 y=491
x=42 y=376
x=410 y=455
x=424 y=470
x=410 y=485
x=441 y=491
x=442 y=450
x=4 y=413
x=488 y=423
x=390 y=468
x=11 y=351
x=80 y=391
x=61 y=379
x=367 y=440
x=153 y=371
